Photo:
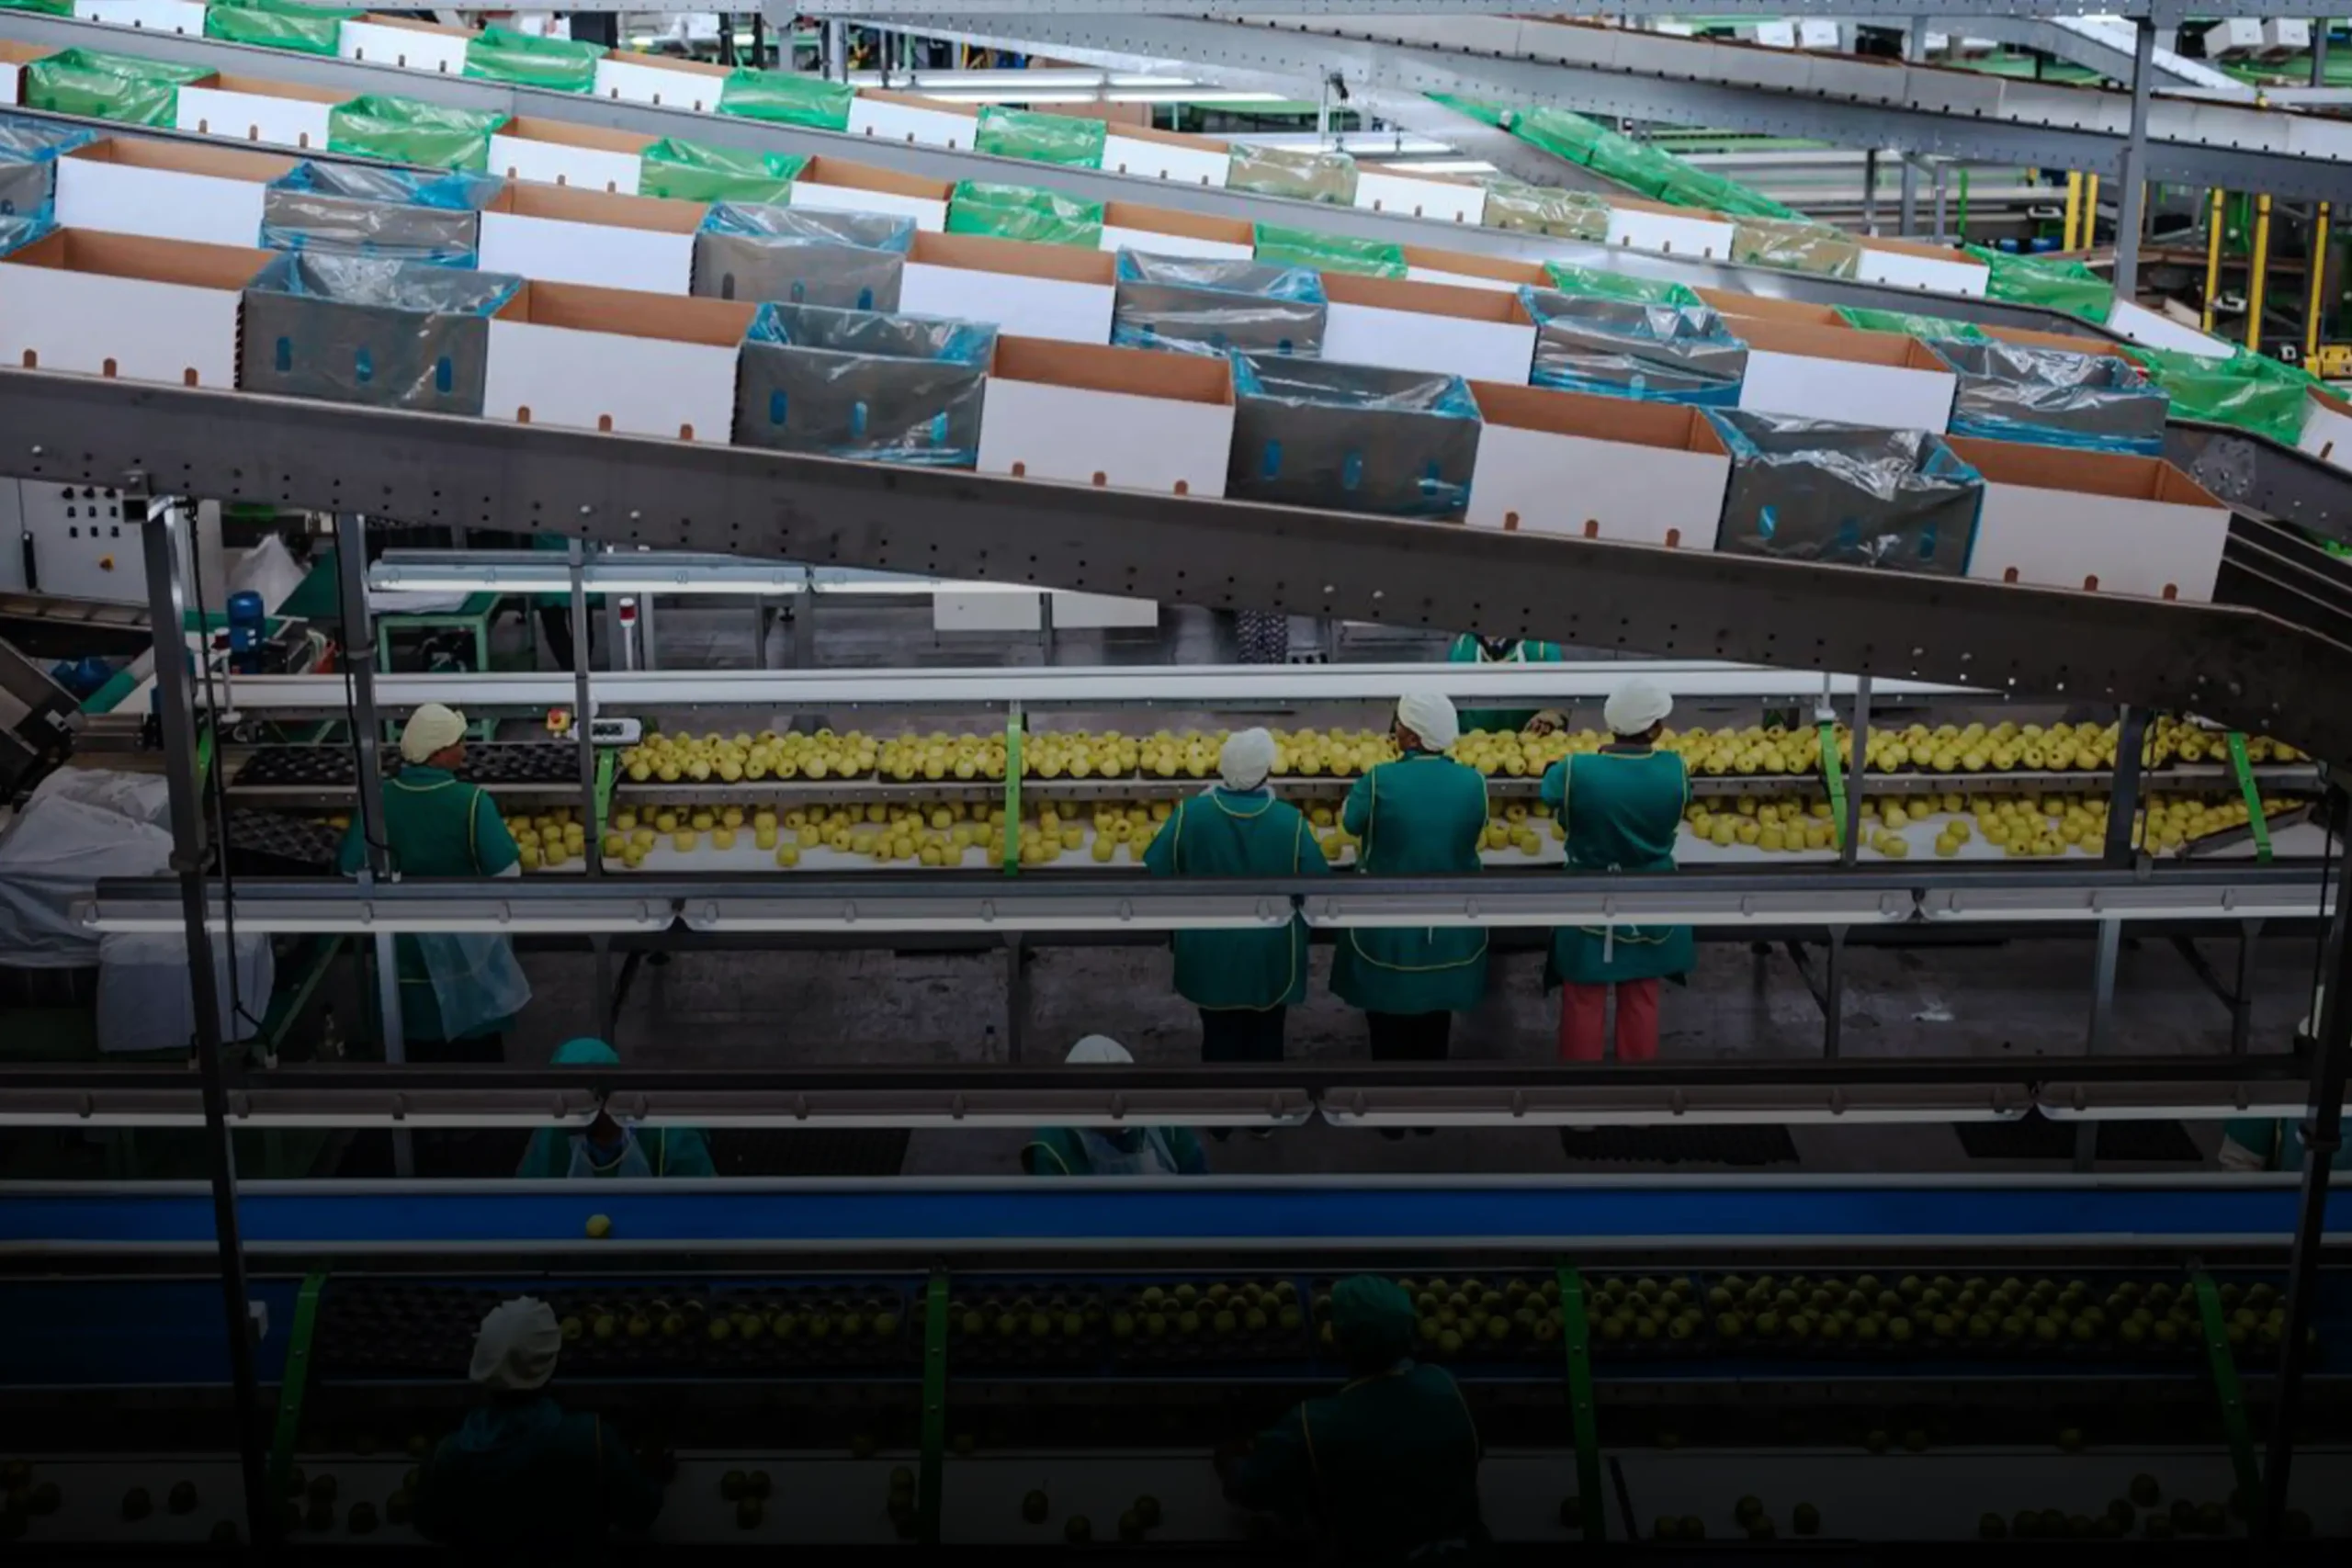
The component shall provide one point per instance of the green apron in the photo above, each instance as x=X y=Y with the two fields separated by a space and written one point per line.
x=1622 y=810
x=434 y=826
x=1238 y=833
x=1468 y=650
x=1423 y=815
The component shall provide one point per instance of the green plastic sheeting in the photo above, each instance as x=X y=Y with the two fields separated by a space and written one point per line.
x=1024 y=212
x=1638 y=165
x=1799 y=245
x=46 y=7
x=689 y=171
x=521 y=60
x=1327 y=253
x=1907 y=324
x=2052 y=284
x=1547 y=210
x=1302 y=176
x=277 y=24
x=1068 y=139
x=106 y=86
x=786 y=97
x=1594 y=283
x=2250 y=391
x=406 y=131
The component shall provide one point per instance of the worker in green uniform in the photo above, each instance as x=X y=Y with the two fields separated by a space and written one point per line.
x=1620 y=809
x=1470 y=649
x=1115 y=1151
x=522 y=1474
x=1388 y=1466
x=1423 y=814
x=459 y=991
x=607 y=1147
x=1243 y=981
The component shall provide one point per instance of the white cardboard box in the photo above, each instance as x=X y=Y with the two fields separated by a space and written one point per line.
x=1937 y=269
x=1163 y=231
x=1164 y=155
x=412 y=46
x=1471 y=333
x=1449 y=201
x=144 y=310
x=10 y=73
x=556 y=234
x=557 y=153
x=2138 y=324
x=836 y=184
x=272 y=114
x=1593 y=468
x=1048 y=291
x=670 y=83
x=2094 y=522
x=14 y=58
x=165 y=190
x=607 y=359
x=2327 y=429
x=149 y=15
x=1853 y=378
x=1640 y=226
x=1126 y=418
x=1819 y=35
x=897 y=116
x=1465 y=269
x=1153 y=244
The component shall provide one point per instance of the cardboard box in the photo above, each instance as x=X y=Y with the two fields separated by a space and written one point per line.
x=2155 y=330
x=183 y=16
x=2327 y=429
x=1936 y=268
x=275 y=114
x=166 y=190
x=1845 y=375
x=660 y=80
x=555 y=234
x=361 y=208
x=863 y=384
x=14 y=58
x=1420 y=196
x=364 y=330
x=2097 y=522
x=560 y=152
x=853 y=261
x=1475 y=334
x=2064 y=343
x=902 y=117
x=1127 y=418
x=1050 y=291
x=1352 y=437
x=1164 y=231
x=1670 y=230
x=1744 y=308
x=412 y=46
x=1594 y=467
x=614 y=360
x=144 y=310
x=1465 y=269
x=836 y=184
x=1166 y=155
x=1808 y=489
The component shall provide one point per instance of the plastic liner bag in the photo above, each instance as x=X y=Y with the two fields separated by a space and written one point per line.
x=356 y=210
x=1845 y=495
x=19 y=230
x=1300 y=175
x=863 y=384
x=1073 y=141
x=852 y=260
x=1592 y=283
x=81 y=825
x=146 y=992
x=409 y=131
x=1326 y=253
x=2250 y=391
x=98 y=85
x=1547 y=210
x=1908 y=323
x=2064 y=286
x=1688 y=185
x=1024 y=212
x=278 y=24
x=1203 y=305
x=527 y=59
x=786 y=97
x=26 y=139
x=2051 y=398
x=1352 y=437
x=689 y=171
x=369 y=329
x=41 y=8
x=477 y=981
x=1627 y=348
x=26 y=190
x=1799 y=245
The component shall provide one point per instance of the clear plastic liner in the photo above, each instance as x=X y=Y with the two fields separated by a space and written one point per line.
x=370 y=330
x=410 y=130
x=786 y=97
x=691 y=171
x=1300 y=175
x=31 y=141
x=1798 y=244
x=2051 y=398
x=1024 y=212
x=1352 y=437
x=863 y=384
x=98 y=86
x=527 y=59
x=19 y=230
x=27 y=188
x=355 y=210
x=1072 y=141
x=852 y=260
x=1547 y=210
x=1845 y=495
x=1326 y=253
x=1205 y=305
x=1629 y=348
x=1907 y=324
x=278 y=24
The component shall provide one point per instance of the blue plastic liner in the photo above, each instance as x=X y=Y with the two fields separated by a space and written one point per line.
x=29 y=152
x=1207 y=305
x=1847 y=494
x=429 y=216
x=1352 y=437
x=369 y=329
x=863 y=384
x=1623 y=347
x=2051 y=396
x=758 y=252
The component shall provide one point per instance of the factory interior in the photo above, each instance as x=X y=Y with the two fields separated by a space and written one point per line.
x=1433 y=782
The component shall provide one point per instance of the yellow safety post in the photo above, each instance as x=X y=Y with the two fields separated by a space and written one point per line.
x=2073 y=212
x=2090 y=211
x=2256 y=266
x=2213 y=258
x=2315 y=259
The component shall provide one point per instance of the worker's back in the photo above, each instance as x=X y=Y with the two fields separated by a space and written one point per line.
x=1396 y=1467
x=529 y=1473
x=1419 y=815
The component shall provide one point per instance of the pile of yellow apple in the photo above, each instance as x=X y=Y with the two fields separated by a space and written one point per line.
x=690 y=759
x=548 y=839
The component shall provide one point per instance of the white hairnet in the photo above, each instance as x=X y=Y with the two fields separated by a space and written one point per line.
x=1636 y=705
x=1430 y=716
x=1245 y=759
x=1097 y=1051
x=517 y=1346
x=431 y=731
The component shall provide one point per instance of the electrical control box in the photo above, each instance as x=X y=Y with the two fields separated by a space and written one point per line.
x=83 y=542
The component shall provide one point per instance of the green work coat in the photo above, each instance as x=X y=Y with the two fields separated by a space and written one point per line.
x=1389 y=1465
x=434 y=826
x=2278 y=1143
x=1621 y=809
x=526 y=1476
x=1468 y=650
x=1125 y=1151
x=668 y=1151
x=1238 y=833
x=1421 y=815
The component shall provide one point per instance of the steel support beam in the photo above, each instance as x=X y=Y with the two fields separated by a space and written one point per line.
x=1885 y=13
x=2131 y=193
x=2107 y=47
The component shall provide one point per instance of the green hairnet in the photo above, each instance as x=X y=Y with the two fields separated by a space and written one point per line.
x=585 y=1051
x=1371 y=1320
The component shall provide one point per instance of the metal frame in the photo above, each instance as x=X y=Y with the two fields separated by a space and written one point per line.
x=1891 y=12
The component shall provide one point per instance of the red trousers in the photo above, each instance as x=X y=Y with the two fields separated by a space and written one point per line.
x=1584 y=1011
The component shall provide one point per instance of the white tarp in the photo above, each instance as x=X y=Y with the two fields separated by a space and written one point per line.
x=82 y=825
